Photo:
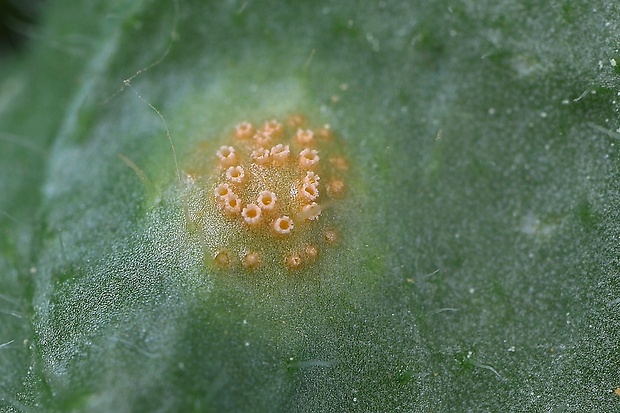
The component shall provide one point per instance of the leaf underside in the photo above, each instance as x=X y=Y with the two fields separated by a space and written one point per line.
x=477 y=269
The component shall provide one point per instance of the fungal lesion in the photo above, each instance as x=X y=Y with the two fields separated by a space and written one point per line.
x=266 y=196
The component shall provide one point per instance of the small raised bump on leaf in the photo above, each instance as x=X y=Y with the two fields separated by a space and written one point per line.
x=311 y=211
x=293 y=260
x=283 y=225
x=312 y=178
x=336 y=188
x=251 y=214
x=331 y=236
x=296 y=120
x=235 y=174
x=280 y=153
x=308 y=158
x=260 y=156
x=266 y=200
x=244 y=130
x=223 y=259
x=262 y=139
x=232 y=204
x=273 y=128
x=309 y=192
x=311 y=252
x=222 y=191
x=305 y=137
x=226 y=154
x=251 y=260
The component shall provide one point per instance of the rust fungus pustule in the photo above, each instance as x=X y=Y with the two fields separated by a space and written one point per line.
x=267 y=195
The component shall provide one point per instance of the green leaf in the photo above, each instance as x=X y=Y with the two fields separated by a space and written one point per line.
x=477 y=264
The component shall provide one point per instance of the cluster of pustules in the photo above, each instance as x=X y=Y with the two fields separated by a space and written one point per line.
x=268 y=183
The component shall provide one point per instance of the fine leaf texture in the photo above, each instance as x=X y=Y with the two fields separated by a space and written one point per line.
x=477 y=268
